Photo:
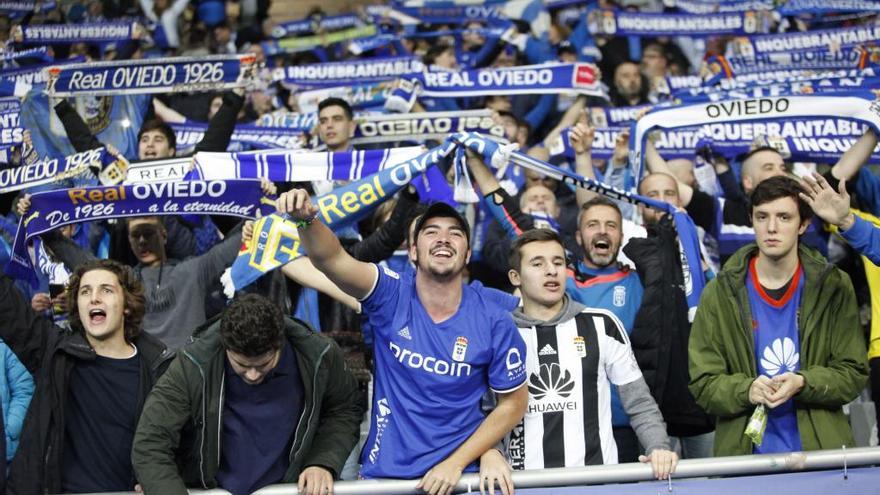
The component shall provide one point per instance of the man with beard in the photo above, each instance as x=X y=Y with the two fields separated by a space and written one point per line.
x=439 y=346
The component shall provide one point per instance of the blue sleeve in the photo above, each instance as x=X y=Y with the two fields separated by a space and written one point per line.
x=507 y=371
x=538 y=114
x=484 y=54
x=508 y=213
x=21 y=388
x=538 y=51
x=864 y=238
x=382 y=303
x=867 y=189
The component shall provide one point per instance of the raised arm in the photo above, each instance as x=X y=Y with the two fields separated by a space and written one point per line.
x=354 y=277
x=303 y=272
x=656 y=163
x=849 y=164
x=581 y=138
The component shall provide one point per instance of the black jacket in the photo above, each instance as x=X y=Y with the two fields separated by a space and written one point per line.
x=661 y=330
x=50 y=354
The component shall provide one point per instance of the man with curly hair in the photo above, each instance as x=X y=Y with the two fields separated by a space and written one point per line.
x=270 y=400
x=91 y=383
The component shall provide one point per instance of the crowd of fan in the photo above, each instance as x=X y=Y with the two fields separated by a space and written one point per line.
x=78 y=409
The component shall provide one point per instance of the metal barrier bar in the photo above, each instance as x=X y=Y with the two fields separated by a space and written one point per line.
x=620 y=473
x=617 y=473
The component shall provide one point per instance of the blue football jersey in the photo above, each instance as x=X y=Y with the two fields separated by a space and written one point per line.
x=429 y=377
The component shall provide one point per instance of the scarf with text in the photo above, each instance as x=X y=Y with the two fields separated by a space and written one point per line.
x=95 y=32
x=244 y=136
x=344 y=73
x=859 y=107
x=622 y=23
x=785 y=42
x=526 y=79
x=145 y=76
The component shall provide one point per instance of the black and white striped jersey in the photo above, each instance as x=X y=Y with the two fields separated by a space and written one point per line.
x=568 y=420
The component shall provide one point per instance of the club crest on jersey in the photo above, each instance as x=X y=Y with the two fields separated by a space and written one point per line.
x=459 y=349
x=619 y=296
x=580 y=347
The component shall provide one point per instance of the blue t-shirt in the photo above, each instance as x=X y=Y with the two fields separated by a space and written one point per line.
x=777 y=351
x=430 y=376
x=616 y=290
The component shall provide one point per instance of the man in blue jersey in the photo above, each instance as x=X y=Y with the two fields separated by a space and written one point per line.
x=439 y=345
x=778 y=327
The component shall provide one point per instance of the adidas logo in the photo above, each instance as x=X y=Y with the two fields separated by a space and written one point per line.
x=548 y=350
x=404 y=332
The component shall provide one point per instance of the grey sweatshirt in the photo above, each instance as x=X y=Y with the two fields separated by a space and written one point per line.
x=636 y=398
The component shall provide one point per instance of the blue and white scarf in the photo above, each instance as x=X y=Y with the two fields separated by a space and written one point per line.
x=859 y=107
x=244 y=135
x=526 y=79
x=713 y=6
x=306 y=26
x=17 y=9
x=785 y=42
x=424 y=126
x=96 y=32
x=359 y=96
x=54 y=209
x=292 y=166
x=622 y=23
x=158 y=75
x=304 y=122
x=796 y=7
x=845 y=58
x=40 y=53
x=346 y=73
x=55 y=170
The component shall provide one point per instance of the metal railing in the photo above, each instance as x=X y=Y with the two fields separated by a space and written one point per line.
x=621 y=473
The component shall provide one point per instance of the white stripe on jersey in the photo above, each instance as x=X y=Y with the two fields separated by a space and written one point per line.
x=556 y=390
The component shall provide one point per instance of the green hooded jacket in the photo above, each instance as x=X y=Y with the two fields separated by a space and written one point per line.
x=177 y=442
x=721 y=352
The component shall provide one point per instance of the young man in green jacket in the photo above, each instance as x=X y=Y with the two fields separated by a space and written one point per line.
x=778 y=327
x=257 y=399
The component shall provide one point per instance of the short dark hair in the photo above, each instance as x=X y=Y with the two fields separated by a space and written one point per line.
x=778 y=187
x=435 y=51
x=252 y=326
x=158 y=125
x=132 y=292
x=514 y=257
x=598 y=201
x=336 y=102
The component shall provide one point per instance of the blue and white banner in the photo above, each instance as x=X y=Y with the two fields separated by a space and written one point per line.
x=306 y=26
x=109 y=168
x=53 y=209
x=173 y=169
x=250 y=136
x=360 y=46
x=816 y=59
x=96 y=32
x=861 y=108
x=359 y=96
x=457 y=14
x=424 y=126
x=614 y=117
x=796 y=7
x=35 y=74
x=785 y=42
x=525 y=79
x=737 y=88
x=17 y=8
x=349 y=72
x=303 y=122
x=40 y=53
x=716 y=6
x=146 y=76
x=784 y=76
x=621 y=23
x=293 y=166
x=11 y=129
